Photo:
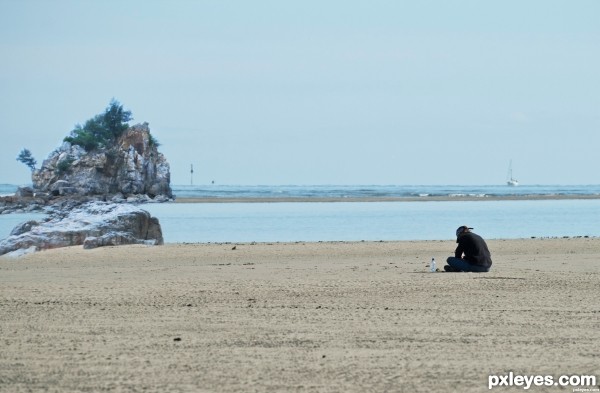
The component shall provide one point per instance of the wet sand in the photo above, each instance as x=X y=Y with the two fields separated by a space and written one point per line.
x=301 y=317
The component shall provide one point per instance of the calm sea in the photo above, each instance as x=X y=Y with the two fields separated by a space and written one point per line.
x=366 y=191
x=369 y=221
x=362 y=191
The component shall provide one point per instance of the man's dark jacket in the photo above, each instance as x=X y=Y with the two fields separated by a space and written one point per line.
x=475 y=249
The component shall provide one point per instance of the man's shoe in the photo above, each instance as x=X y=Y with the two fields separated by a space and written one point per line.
x=450 y=269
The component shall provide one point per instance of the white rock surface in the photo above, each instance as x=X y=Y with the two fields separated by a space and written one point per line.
x=102 y=223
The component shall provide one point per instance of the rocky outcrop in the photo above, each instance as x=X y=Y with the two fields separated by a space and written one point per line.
x=24 y=201
x=92 y=224
x=132 y=166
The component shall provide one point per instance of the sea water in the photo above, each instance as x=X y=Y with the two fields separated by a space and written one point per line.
x=9 y=221
x=369 y=221
x=377 y=191
x=373 y=221
x=364 y=191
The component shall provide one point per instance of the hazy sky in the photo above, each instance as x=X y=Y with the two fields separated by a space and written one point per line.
x=315 y=92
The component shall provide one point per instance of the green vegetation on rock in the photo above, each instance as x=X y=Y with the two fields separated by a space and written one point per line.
x=101 y=130
x=26 y=158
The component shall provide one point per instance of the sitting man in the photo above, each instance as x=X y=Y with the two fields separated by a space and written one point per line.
x=471 y=255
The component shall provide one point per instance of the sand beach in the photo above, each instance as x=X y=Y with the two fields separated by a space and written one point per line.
x=296 y=317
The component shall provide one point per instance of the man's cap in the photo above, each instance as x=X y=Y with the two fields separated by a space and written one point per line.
x=461 y=229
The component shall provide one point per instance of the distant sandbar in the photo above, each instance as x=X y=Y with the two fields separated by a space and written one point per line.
x=466 y=198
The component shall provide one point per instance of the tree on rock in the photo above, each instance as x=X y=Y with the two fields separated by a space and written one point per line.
x=103 y=129
x=115 y=119
x=26 y=158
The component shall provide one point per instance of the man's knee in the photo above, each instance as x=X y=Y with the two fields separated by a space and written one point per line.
x=453 y=259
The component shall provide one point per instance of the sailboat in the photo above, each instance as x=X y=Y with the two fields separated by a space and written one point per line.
x=511 y=181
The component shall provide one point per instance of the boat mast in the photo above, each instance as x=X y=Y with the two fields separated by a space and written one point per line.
x=511 y=181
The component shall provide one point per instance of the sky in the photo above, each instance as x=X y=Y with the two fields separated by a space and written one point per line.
x=314 y=92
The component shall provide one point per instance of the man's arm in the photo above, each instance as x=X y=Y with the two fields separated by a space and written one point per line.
x=458 y=253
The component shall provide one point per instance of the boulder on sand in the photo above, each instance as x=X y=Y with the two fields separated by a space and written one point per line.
x=101 y=223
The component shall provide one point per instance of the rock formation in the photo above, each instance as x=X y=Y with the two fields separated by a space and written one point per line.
x=92 y=224
x=24 y=201
x=131 y=166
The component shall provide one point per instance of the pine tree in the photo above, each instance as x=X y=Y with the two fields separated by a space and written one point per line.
x=26 y=158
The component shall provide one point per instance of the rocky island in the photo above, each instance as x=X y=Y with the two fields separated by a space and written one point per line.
x=101 y=165
x=132 y=166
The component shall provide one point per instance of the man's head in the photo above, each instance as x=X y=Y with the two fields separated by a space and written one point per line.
x=462 y=230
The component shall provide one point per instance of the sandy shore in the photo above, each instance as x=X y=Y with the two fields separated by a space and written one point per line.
x=302 y=317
